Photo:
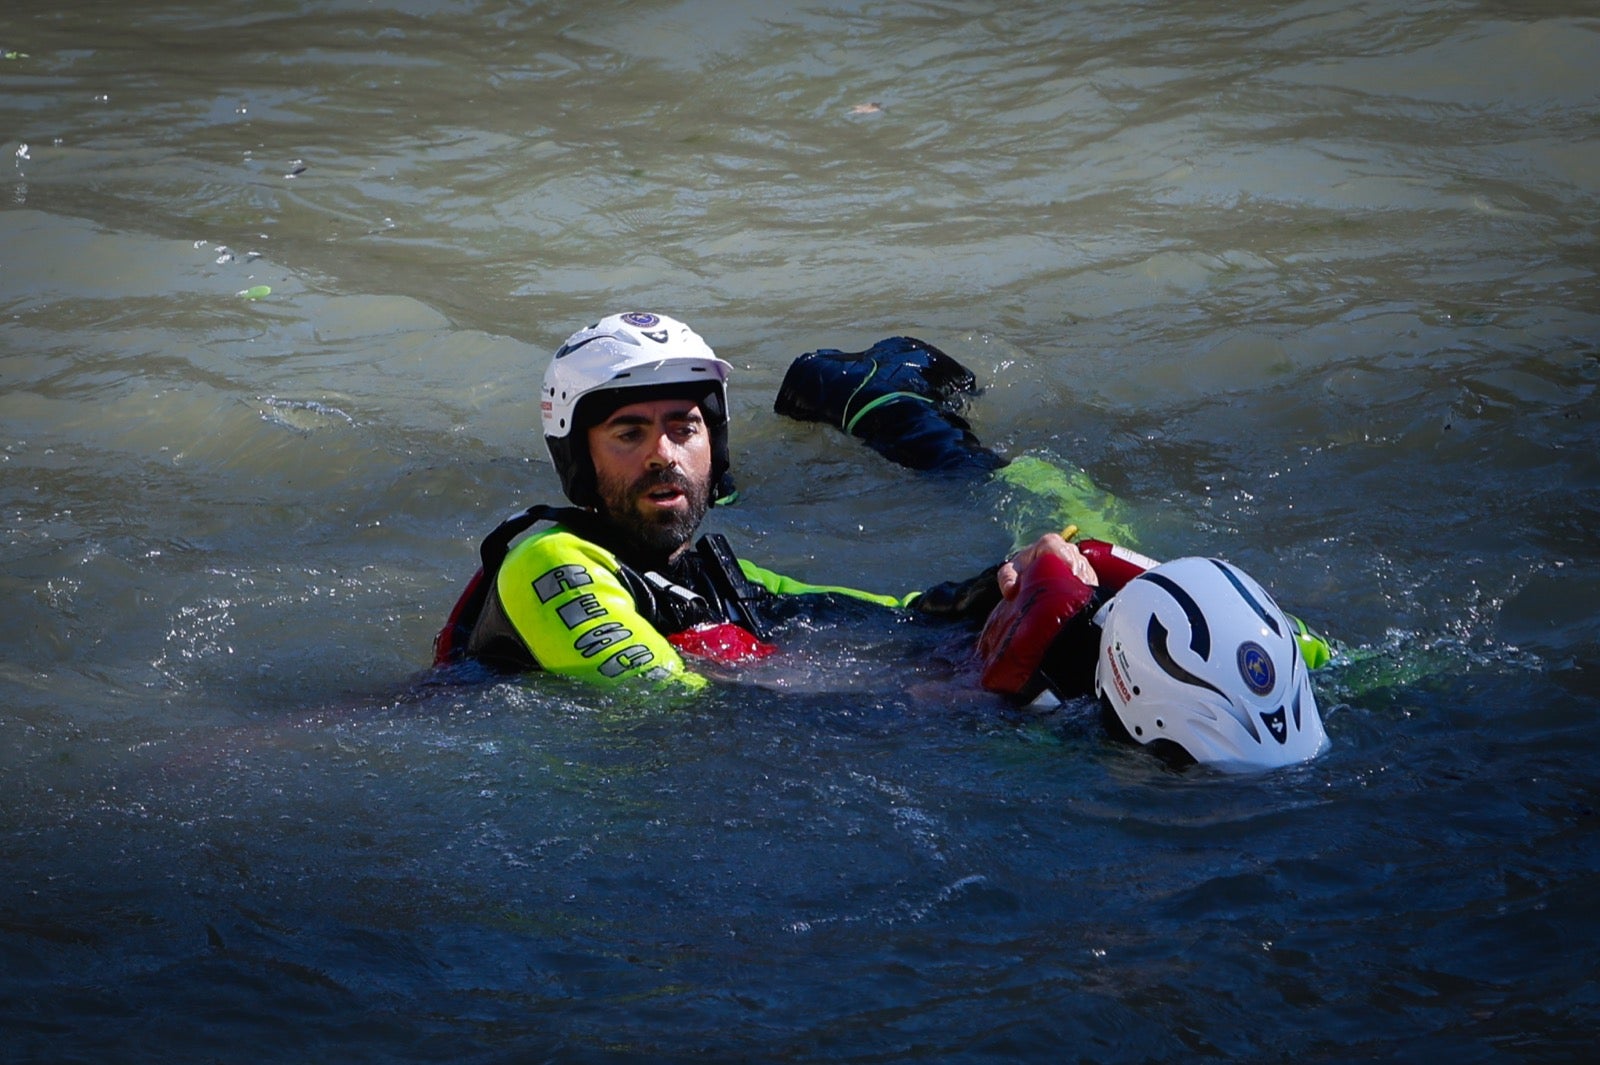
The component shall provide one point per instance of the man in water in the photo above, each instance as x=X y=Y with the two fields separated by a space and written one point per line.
x=635 y=415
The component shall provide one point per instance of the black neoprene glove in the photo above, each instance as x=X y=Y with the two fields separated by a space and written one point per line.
x=972 y=598
x=900 y=396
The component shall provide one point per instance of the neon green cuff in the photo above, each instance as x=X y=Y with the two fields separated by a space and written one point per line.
x=1314 y=647
x=1073 y=498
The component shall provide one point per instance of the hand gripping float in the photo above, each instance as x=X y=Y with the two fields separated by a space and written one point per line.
x=1041 y=638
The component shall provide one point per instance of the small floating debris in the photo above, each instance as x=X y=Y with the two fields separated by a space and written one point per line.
x=869 y=108
x=11 y=53
x=22 y=152
x=296 y=168
x=256 y=292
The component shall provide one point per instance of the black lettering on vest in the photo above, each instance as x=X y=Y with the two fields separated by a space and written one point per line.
x=583 y=608
x=600 y=637
x=560 y=579
x=626 y=659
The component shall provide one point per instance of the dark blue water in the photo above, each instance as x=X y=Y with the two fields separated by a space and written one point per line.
x=1312 y=288
x=477 y=874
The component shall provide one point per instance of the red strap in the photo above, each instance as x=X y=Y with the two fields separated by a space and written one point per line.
x=726 y=643
x=1020 y=630
x=1114 y=565
x=451 y=641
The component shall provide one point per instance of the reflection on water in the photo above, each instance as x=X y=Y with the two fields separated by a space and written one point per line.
x=1312 y=288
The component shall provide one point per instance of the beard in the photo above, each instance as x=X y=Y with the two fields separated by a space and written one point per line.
x=659 y=535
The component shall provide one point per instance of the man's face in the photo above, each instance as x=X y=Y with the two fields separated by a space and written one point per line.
x=652 y=464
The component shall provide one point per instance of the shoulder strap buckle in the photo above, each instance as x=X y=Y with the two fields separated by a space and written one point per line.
x=736 y=590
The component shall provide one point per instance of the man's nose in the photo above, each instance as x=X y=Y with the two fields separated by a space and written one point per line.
x=664 y=454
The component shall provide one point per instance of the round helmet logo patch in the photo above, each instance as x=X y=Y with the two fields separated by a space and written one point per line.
x=642 y=319
x=1256 y=668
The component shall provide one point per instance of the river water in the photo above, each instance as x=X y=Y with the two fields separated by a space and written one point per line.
x=1311 y=286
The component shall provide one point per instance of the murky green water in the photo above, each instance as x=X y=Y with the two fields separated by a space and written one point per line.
x=1312 y=287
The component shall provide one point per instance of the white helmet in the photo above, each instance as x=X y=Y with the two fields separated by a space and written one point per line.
x=1196 y=652
x=616 y=355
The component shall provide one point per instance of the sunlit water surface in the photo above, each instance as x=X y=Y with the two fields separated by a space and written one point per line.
x=1310 y=286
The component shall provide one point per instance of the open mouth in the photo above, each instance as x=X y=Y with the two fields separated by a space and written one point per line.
x=664 y=494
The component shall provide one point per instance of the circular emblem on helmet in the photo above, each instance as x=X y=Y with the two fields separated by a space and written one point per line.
x=642 y=319
x=1256 y=668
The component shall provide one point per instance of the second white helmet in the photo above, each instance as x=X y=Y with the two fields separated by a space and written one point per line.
x=1195 y=652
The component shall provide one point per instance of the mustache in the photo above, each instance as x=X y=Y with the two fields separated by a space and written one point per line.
x=671 y=477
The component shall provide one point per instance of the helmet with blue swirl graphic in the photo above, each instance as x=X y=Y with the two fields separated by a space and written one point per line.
x=622 y=359
x=1194 y=653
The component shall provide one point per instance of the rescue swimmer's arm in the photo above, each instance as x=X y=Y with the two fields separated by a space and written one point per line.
x=901 y=397
x=1058 y=495
x=978 y=596
x=564 y=597
x=974 y=597
x=780 y=585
